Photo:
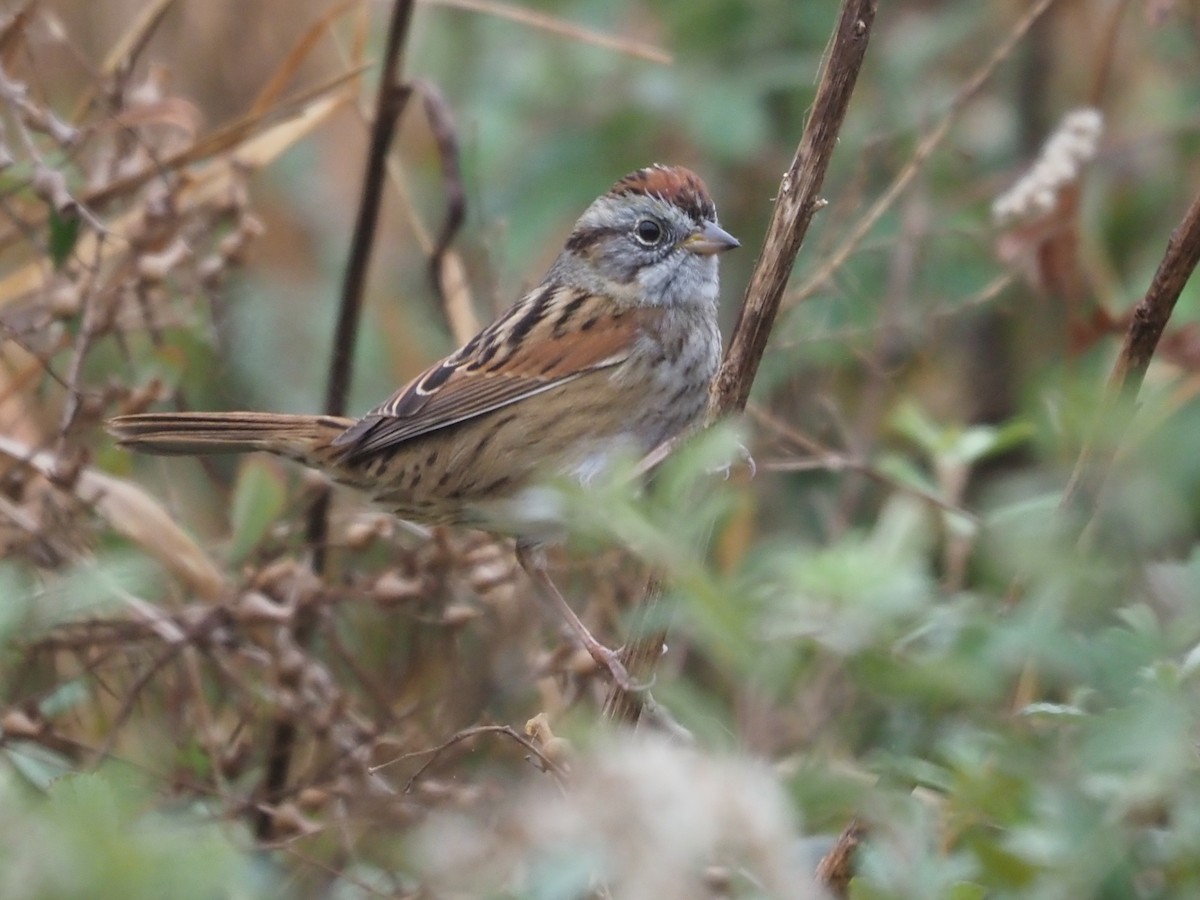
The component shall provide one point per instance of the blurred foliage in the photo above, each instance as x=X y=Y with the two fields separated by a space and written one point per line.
x=890 y=622
x=91 y=833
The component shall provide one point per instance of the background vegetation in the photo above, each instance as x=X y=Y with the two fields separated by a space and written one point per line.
x=890 y=626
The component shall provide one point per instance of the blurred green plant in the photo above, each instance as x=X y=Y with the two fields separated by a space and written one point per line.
x=100 y=835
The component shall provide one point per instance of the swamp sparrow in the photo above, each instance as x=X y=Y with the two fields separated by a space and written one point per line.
x=613 y=352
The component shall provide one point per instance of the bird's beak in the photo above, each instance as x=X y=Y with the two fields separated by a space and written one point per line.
x=710 y=238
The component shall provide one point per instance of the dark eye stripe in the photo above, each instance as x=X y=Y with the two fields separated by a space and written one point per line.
x=586 y=238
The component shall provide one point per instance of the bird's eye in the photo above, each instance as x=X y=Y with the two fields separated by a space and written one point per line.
x=648 y=232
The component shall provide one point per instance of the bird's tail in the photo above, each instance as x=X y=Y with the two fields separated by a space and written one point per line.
x=304 y=438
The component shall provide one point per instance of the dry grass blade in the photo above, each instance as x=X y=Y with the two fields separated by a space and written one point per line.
x=441 y=268
x=12 y=34
x=261 y=149
x=139 y=517
x=456 y=293
x=225 y=138
x=134 y=39
x=127 y=48
x=292 y=62
x=220 y=141
x=543 y=22
x=206 y=183
x=135 y=514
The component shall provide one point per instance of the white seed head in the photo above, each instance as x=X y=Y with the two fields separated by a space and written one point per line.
x=1060 y=163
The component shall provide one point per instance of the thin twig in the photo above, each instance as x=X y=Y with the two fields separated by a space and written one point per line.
x=434 y=753
x=390 y=100
x=441 y=124
x=89 y=330
x=1082 y=494
x=921 y=154
x=1150 y=318
x=43 y=359
x=823 y=459
x=214 y=618
x=524 y=16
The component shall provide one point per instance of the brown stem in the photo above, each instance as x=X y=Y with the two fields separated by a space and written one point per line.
x=834 y=260
x=441 y=124
x=548 y=765
x=795 y=205
x=389 y=103
x=837 y=866
x=1149 y=319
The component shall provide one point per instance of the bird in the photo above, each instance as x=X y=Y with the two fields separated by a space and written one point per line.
x=612 y=353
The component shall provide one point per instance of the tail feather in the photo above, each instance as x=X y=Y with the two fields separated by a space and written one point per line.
x=189 y=434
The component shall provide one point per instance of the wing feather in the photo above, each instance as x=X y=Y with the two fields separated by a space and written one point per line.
x=532 y=348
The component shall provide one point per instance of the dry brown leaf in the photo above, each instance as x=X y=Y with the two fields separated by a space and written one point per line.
x=138 y=516
x=176 y=111
x=554 y=25
x=131 y=42
x=230 y=135
x=311 y=106
x=203 y=185
x=291 y=63
x=460 y=309
x=20 y=369
x=12 y=33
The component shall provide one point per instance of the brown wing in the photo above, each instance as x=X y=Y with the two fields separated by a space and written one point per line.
x=550 y=337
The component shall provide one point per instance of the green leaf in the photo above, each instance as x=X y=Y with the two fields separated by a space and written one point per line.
x=258 y=499
x=910 y=422
x=981 y=441
x=37 y=765
x=904 y=471
x=64 y=232
x=18 y=594
x=64 y=698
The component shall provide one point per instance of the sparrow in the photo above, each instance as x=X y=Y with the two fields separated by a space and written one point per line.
x=611 y=354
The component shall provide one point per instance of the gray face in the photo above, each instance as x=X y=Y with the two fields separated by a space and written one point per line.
x=636 y=243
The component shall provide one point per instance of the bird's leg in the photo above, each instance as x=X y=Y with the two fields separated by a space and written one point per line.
x=533 y=561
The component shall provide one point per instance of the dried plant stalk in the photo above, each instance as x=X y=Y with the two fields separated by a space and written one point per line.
x=797 y=201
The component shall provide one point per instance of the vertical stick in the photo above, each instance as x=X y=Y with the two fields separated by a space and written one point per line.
x=795 y=205
x=389 y=104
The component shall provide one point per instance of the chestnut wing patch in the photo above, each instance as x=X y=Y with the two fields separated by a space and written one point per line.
x=526 y=352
